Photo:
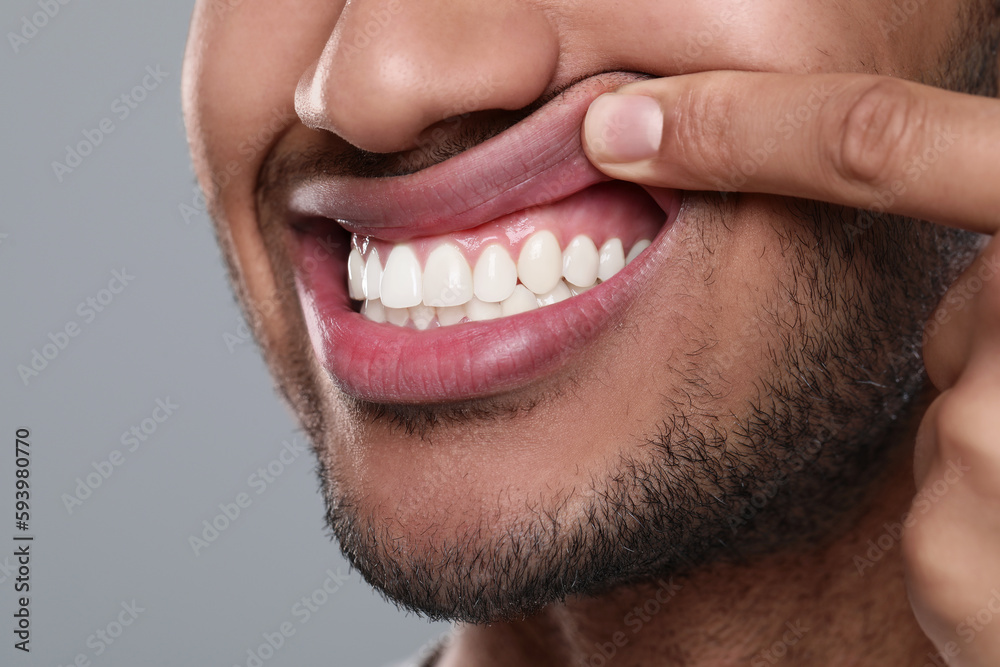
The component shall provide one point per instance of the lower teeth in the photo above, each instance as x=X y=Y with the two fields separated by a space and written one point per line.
x=478 y=295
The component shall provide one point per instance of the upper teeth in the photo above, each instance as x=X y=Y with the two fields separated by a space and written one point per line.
x=495 y=276
x=448 y=291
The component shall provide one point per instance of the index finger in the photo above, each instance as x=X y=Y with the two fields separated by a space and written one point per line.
x=860 y=140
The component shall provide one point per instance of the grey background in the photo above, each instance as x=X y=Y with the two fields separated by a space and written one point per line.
x=173 y=333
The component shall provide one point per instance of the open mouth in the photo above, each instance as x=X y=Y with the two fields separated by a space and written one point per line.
x=521 y=262
x=478 y=275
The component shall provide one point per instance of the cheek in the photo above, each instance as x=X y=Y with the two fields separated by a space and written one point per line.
x=921 y=33
x=728 y=312
x=900 y=38
x=242 y=64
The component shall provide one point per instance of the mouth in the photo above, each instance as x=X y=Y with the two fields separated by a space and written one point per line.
x=481 y=274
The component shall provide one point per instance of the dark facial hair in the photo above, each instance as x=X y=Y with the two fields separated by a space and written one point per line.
x=793 y=470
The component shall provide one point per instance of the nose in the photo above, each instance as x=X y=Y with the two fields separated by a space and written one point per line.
x=392 y=69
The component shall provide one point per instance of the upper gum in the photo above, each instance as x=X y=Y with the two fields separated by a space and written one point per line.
x=590 y=213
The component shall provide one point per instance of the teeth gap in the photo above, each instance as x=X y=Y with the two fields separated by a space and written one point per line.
x=397 y=290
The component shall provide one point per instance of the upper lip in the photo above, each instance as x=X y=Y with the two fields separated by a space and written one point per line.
x=537 y=161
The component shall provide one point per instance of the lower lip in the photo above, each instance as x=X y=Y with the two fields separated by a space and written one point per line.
x=384 y=363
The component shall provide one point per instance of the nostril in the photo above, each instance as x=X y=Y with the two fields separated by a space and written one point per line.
x=426 y=64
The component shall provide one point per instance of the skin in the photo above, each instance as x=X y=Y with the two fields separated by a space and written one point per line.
x=949 y=550
x=489 y=469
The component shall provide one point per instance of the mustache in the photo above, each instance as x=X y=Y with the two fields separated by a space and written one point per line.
x=331 y=156
x=334 y=157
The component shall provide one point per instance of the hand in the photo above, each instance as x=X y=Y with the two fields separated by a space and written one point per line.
x=851 y=139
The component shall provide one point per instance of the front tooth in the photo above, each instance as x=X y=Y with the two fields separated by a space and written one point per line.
x=450 y=315
x=495 y=275
x=580 y=260
x=401 y=281
x=612 y=259
x=639 y=246
x=373 y=310
x=422 y=316
x=397 y=316
x=558 y=293
x=521 y=301
x=477 y=310
x=447 y=277
x=540 y=264
x=356 y=275
x=372 y=277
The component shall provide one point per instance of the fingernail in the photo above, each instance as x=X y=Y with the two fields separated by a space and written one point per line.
x=623 y=128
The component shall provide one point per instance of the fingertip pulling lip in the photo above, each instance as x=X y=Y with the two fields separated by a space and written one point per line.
x=537 y=161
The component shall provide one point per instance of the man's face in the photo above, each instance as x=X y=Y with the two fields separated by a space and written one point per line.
x=760 y=348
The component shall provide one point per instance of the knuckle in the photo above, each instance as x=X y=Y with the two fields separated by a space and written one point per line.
x=701 y=132
x=966 y=418
x=954 y=412
x=979 y=281
x=921 y=547
x=929 y=558
x=876 y=132
x=931 y=567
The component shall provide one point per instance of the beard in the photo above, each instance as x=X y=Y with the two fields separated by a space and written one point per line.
x=792 y=470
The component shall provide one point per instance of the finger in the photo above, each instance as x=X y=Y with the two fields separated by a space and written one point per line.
x=966 y=322
x=952 y=533
x=859 y=140
x=925 y=443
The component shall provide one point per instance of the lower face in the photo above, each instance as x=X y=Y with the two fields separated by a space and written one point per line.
x=589 y=418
